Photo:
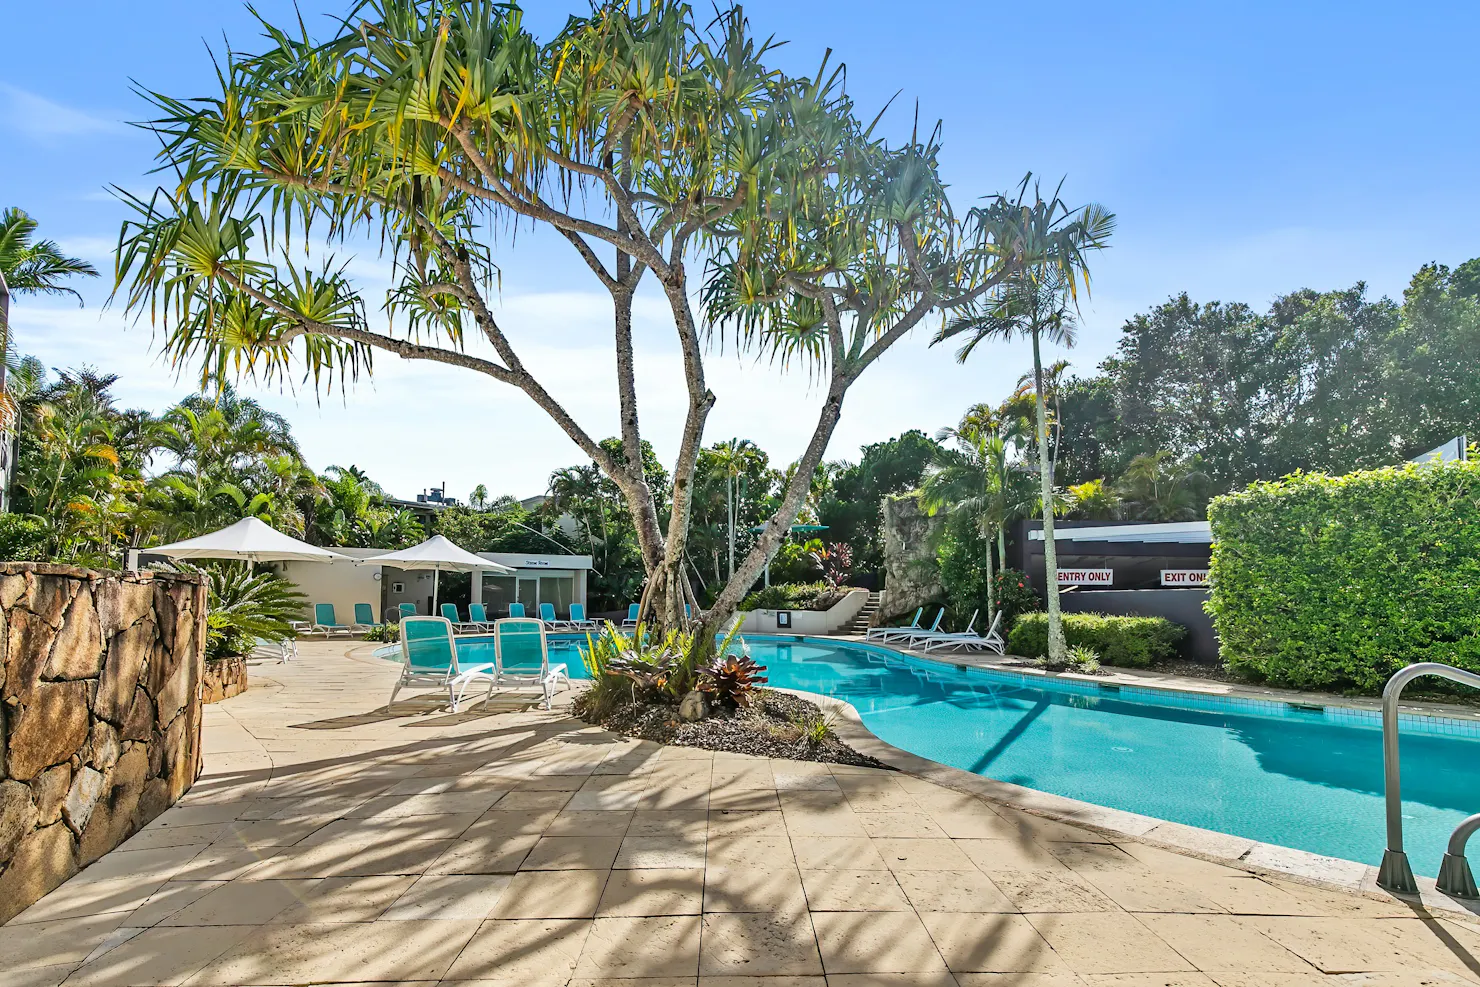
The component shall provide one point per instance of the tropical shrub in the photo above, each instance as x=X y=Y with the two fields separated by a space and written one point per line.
x=1015 y=596
x=794 y=596
x=384 y=633
x=1130 y=642
x=243 y=606
x=1077 y=659
x=1339 y=581
x=23 y=538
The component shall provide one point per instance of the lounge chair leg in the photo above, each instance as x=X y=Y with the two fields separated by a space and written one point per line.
x=392 y=701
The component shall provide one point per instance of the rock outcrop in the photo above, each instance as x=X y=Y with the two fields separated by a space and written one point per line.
x=911 y=572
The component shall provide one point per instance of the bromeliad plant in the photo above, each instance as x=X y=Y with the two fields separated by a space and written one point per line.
x=731 y=680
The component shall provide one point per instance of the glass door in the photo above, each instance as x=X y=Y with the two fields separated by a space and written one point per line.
x=528 y=593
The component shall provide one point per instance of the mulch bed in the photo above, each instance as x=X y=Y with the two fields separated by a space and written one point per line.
x=773 y=725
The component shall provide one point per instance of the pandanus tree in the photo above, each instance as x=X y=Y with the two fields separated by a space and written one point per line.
x=653 y=144
x=1038 y=301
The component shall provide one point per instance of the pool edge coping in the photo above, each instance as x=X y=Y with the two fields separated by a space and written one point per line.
x=1254 y=856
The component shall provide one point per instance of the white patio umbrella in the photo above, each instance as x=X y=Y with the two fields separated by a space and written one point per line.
x=250 y=540
x=439 y=555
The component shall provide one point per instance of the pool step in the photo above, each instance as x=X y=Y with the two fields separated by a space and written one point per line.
x=865 y=618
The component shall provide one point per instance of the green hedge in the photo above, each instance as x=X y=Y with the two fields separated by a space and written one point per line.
x=1322 y=581
x=1131 y=642
x=794 y=596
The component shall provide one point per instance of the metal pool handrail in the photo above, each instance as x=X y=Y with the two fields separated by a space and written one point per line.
x=1395 y=874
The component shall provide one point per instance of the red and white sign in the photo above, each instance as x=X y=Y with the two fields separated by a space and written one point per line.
x=1184 y=577
x=1086 y=577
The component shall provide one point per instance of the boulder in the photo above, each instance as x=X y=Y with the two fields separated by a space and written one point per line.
x=42 y=862
x=122 y=604
x=694 y=707
x=17 y=817
x=113 y=817
x=86 y=789
x=49 y=791
x=104 y=746
x=128 y=653
x=28 y=644
x=139 y=723
x=47 y=597
x=78 y=650
x=49 y=728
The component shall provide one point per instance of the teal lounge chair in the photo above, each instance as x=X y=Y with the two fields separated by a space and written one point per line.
x=365 y=618
x=516 y=610
x=478 y=615
x=407 y=610
x=547 y=614
x=522 y=655
x=326 y=622
x=429 y=658
x=578 y=619
x=449 y=612
x=925 y=637
x=633 y=609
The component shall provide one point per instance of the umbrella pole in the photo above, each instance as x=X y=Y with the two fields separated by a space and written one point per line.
x=436 y=580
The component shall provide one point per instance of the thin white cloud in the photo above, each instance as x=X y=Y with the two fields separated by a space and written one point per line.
x=47 y=120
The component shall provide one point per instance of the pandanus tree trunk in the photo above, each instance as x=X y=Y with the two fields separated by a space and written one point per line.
x=1057 y=648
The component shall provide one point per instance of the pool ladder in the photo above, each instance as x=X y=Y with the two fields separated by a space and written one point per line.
x=1395 y=875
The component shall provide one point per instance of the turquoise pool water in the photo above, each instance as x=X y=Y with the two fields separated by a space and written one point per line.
x=1266 y=771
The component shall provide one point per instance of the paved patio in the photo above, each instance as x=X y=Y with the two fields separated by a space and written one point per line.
x=331 y=842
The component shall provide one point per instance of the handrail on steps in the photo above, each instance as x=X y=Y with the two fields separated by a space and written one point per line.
x=1395 y=875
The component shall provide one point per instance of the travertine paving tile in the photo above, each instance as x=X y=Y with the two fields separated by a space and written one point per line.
x=668 y=822
x=978 y=943
x=241 y=903
x=96 y=898
x=923 y=854
x=953 y=891
x=853 y=891
x=301 y=954
x=649 y=946
x=758 y=944
x=836 y=853
x=1049 y=891
x=748 y=888
x=595 y=822
x=345 y=899
x=996 y=856
x=572 y=853
x=551 y=894
x=653 y=892
x=1148 y=892
x=900 y=825
x=542 y=951
x=746 y=822
x=666 y=852
x=875 y=942
x=449 y=897
x=1224 y=942
x=163 y=957
x=54 y=943
x=1108 y=942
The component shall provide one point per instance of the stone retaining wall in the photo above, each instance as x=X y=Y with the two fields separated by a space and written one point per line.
x=224 y=678
x=100 y=714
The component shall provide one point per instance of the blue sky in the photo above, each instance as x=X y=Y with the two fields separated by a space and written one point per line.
x=1248 y=150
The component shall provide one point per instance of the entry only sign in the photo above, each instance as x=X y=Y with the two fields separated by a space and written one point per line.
x=1184 y=577
x=1086 y=577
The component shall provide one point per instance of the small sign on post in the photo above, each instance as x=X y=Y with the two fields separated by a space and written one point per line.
x=1086 y=577
x=1184 y=578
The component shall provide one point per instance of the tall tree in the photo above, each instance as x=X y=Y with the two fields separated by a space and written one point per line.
x=1037 y=302
x=638 y=136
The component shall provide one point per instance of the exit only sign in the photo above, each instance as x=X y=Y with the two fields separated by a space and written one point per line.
x=1184 y=577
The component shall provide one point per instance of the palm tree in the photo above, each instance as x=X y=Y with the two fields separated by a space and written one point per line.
x=1038 y=300
x=478 y=499
x=35 y=268
x=732 y=460
x=981 y=480
x=1159 y=487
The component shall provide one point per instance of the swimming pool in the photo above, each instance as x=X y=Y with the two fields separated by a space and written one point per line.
x=1309 y=779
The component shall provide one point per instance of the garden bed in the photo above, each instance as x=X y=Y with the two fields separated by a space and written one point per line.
x=774 y=724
